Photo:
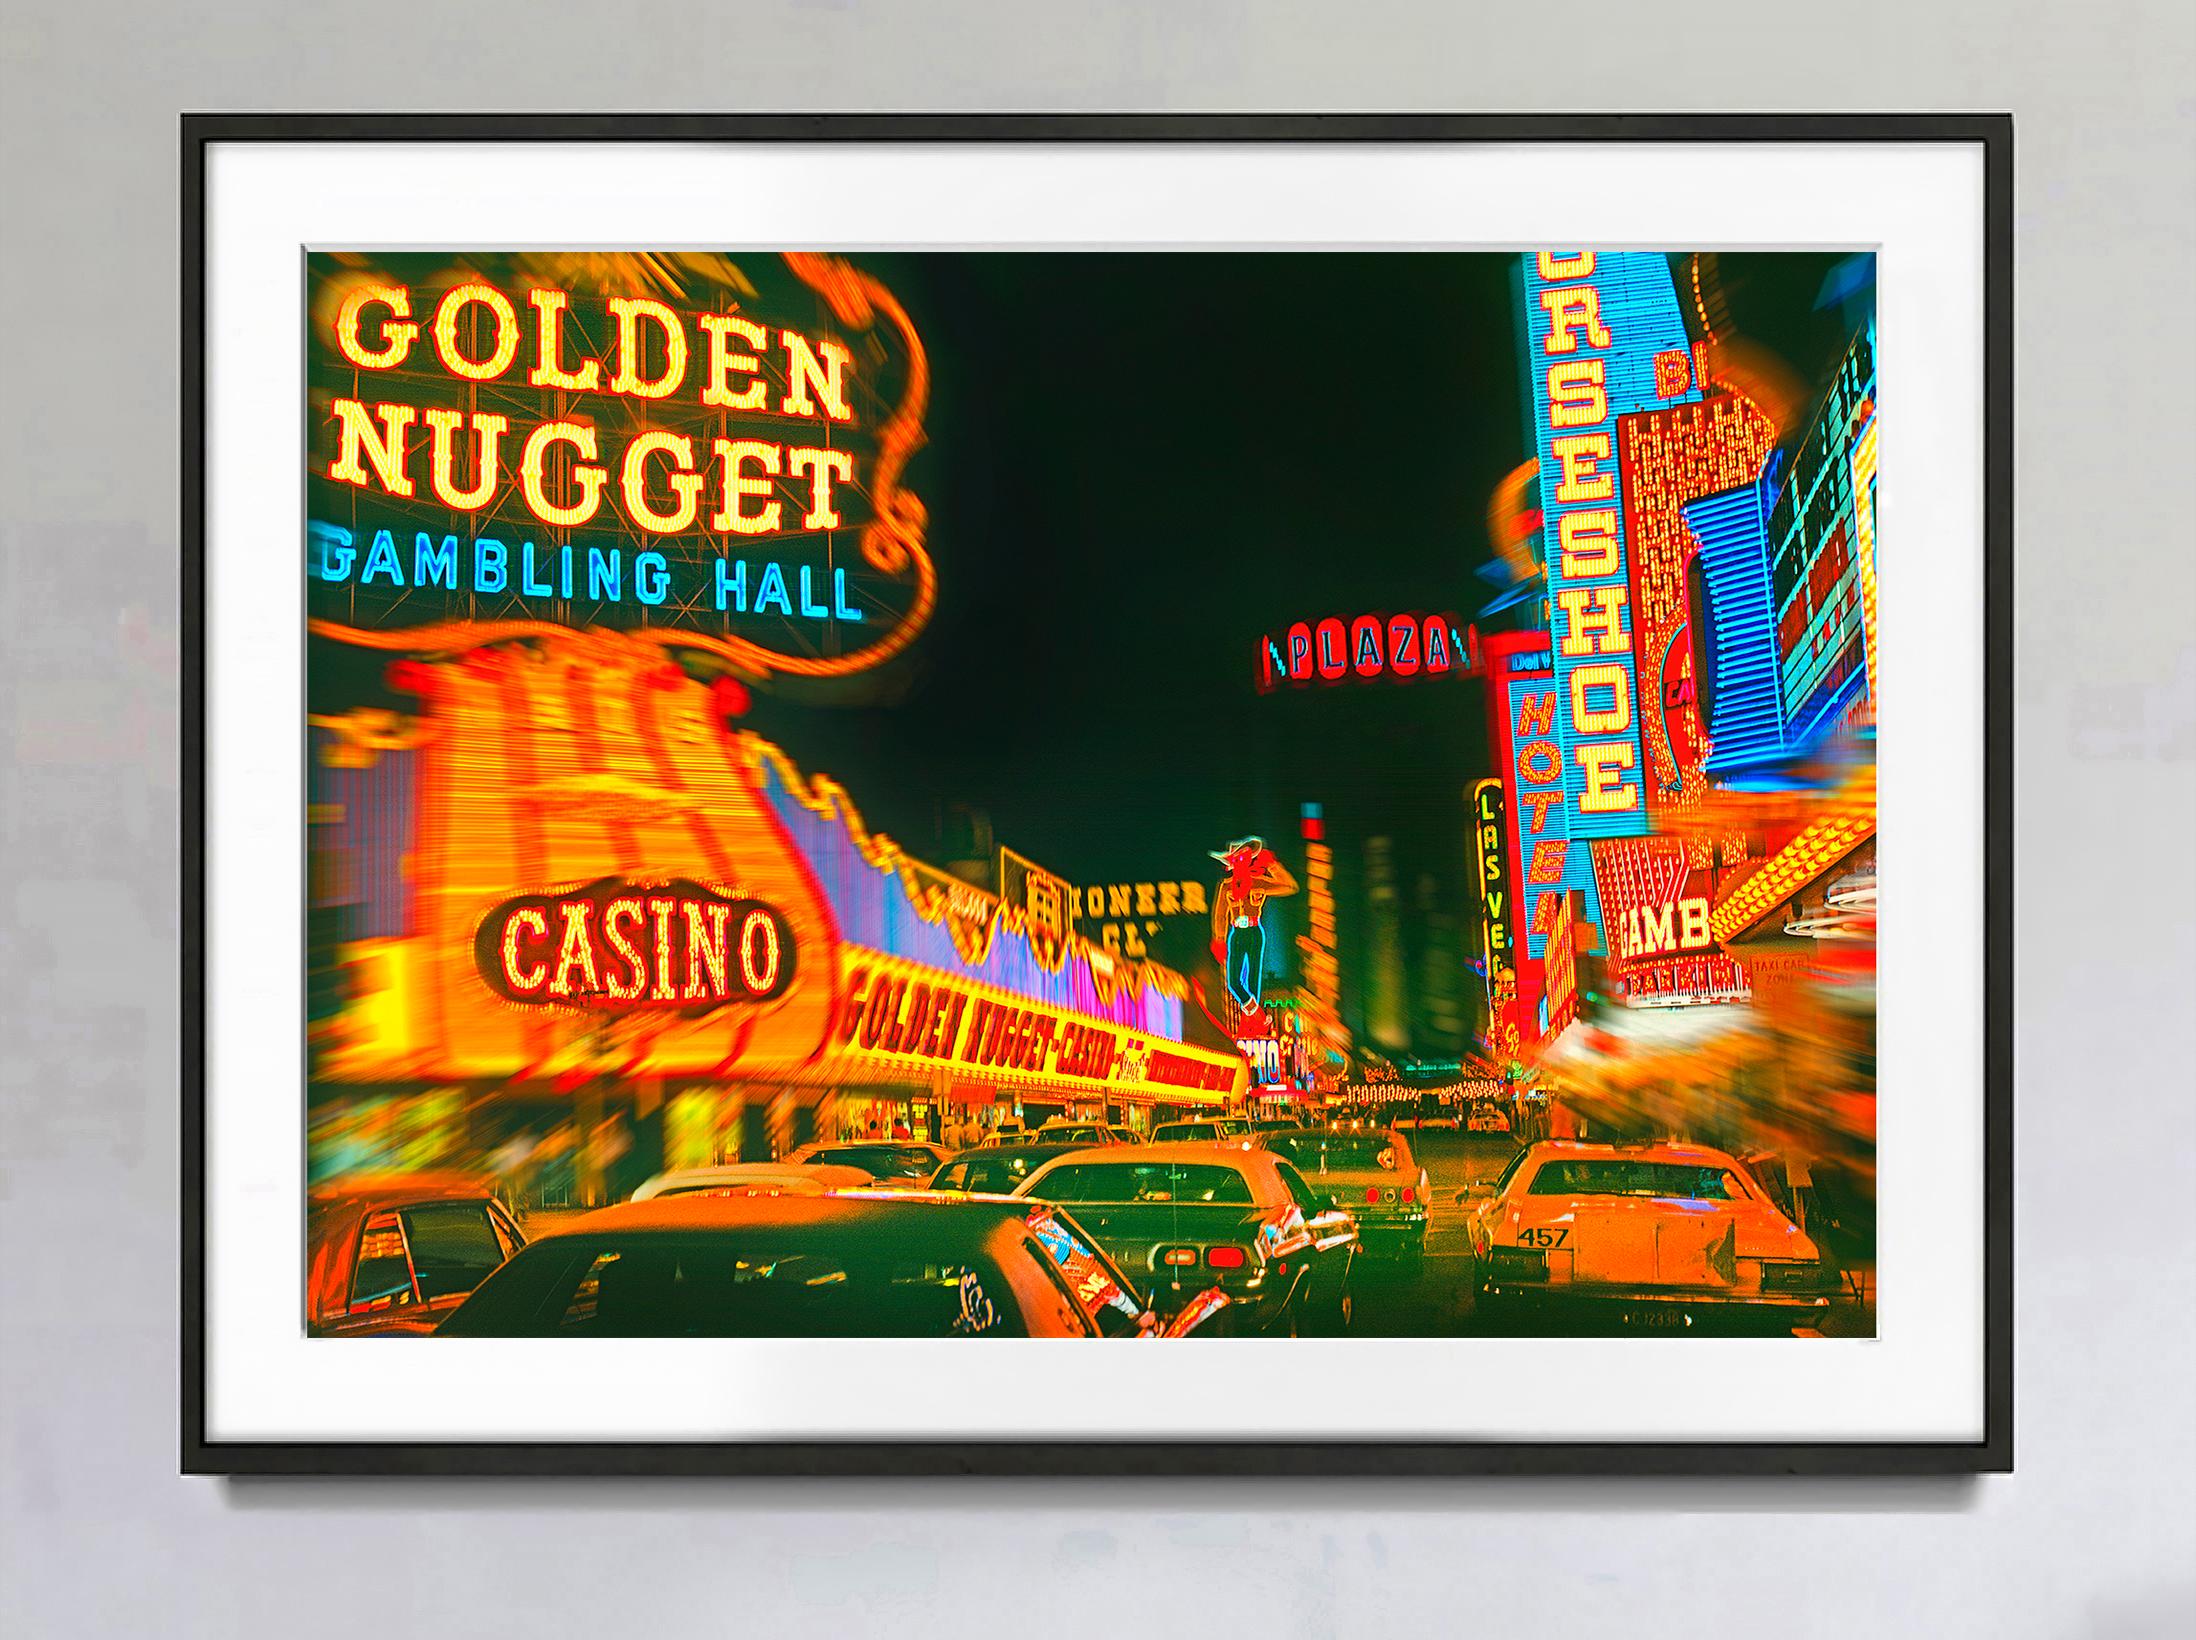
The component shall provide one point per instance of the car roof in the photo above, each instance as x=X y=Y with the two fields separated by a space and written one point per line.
x=864 y=1210
x=1647 y=1150
x=761 y=1173
x=1179 y=1150
x=1046 y=1149
x=383 y=1189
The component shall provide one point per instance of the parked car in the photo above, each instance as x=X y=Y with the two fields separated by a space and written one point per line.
x=1371 y=1175
x=1180 y=1216
x=1202 y=1129
x=1487 y=1118
x=754 y=1179
x=1060 y=1131
x=888 y=1161
x=881 y=1264
x=1656 y=1235
x=397 y=1253
x=996 y=1169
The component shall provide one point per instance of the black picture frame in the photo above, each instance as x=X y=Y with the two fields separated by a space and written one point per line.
x=1993 y=1452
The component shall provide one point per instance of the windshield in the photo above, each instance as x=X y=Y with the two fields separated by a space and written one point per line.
x=1133 y=1182
x=1314 y=1152
x=1627 y=1176
x=880 y=1161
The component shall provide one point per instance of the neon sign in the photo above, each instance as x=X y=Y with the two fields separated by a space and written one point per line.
x=1254 y=875
x=1360 y=649
x=1733 y=637
x=1815 y=552
x=1126 y=917
x=1322 y=971
x=1491 y=846
x=902 y=1014
x=707 y=453
x=620 y=945
x=1653 y=904
x=1605 y=339
x=1560 y=1001
x=1667 y=458
x=1542 y=821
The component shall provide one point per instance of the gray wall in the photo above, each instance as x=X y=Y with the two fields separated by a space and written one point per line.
x=99 y=1536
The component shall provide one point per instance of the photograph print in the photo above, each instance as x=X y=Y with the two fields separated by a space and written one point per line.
x=1100 y=795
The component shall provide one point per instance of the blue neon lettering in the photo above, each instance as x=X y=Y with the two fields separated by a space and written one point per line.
x=772 y=586
x=333 y=560
x=381 y=558
x=651 y=580
x=432 y=565
x=489 y=573
x=841 y=608
x=527 y=583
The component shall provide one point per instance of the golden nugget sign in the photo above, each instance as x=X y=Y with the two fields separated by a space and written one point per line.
x=620 y=946
x=913 y=1015
x=706 y=452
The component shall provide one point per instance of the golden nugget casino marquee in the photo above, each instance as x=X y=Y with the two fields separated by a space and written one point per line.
x=496 y=842
x=587 y=500
x=703 y=452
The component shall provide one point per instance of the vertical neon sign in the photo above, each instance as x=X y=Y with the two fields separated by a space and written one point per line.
x=1601 y=331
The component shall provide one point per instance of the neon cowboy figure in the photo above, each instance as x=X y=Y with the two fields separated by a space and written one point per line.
x=1238 y=941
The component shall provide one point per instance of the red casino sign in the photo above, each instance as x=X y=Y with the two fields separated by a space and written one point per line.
x=621 y=946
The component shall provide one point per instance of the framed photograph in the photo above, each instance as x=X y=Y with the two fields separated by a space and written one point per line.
x=1110 y=795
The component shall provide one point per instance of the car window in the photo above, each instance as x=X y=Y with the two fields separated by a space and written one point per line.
x=1502 y=1179
x=1186 y=1131
x=880 y=1161
x=666 y=1287
x=454 y=1247
x=954 y=1176
x=1134 y=1182
x=1339 y=1150
x=382 y=1276
x=999 y=1175
x=1300 y=1191
x=1630 y=1176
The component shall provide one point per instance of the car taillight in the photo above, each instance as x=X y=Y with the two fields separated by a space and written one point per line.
x=1409 y=1195
x=1372 y=1195
x=1178 y=1256
x=1225 y=1258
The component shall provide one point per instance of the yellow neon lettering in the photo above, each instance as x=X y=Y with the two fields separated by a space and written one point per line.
x=397 y=333
x=534 y=459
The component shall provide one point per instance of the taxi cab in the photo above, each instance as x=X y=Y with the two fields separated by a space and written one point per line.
x=1661 y=1235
